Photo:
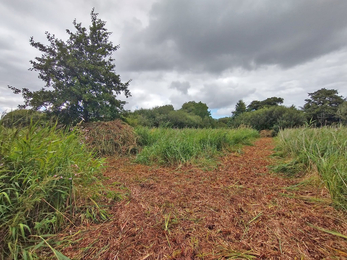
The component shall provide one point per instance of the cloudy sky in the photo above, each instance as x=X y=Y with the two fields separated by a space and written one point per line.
x=176 y=51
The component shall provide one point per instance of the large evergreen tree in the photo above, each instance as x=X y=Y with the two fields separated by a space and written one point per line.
x=322 y=106
x=79 y=75
x=240 y=108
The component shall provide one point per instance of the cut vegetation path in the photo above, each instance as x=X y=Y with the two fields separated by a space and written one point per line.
x=237 y=211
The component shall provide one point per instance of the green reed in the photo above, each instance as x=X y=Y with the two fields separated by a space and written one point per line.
x=180 y=146
x=326 y=149
x=43 y=173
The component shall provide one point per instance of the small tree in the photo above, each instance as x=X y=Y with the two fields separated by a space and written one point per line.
x=80 y=77
x=239 y=108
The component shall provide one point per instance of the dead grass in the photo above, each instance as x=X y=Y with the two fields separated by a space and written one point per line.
x=266 y=133
x=109 y=138
x=237 y=211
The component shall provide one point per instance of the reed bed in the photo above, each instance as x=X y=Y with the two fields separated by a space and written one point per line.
x=181 y=146
x=44 y=175
x=324 y=148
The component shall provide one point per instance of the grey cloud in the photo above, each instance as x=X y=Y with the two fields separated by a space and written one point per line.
x=203 y=35
x=180 y=86
x=218 y=96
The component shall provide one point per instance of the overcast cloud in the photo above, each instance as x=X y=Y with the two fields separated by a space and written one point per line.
x=175 y=51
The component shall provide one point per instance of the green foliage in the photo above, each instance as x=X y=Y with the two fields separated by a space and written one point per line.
x=322 y=106
x=166 y=116
x=269 y=102
x=239 y=108
x=254 y=105
x=172 y=146
x=182 y=119
x=79 y=75
x=199 y=109
x=22 y=118
x=274 y=118
x=44 y=172
x=342 y=113
x=326 y=149
x=222 y=122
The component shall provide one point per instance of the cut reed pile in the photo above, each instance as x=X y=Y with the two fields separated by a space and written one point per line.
x=109 y=138
x=324 y=148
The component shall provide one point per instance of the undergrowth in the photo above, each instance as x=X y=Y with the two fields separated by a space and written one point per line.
x=45 y=174
x=325 y=149
x=180 y=146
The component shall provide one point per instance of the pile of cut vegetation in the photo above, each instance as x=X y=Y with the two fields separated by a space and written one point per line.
x=109 y=138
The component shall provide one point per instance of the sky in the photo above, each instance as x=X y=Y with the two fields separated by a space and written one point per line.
x=175 y=51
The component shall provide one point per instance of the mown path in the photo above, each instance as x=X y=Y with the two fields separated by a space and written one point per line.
x=237 y=211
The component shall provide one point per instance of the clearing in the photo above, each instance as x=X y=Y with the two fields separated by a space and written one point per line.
x=237 y=211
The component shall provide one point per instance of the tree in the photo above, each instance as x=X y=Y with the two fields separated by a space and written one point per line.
x=198 y=109
x=272 y=101
x=254 y=105
x=269 y=102
x=273 y=117
x=322 y=106
x=342 y=112
x=80 y=77
x=239 y=108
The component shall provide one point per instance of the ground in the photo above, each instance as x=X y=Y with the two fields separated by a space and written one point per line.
x=239 y=210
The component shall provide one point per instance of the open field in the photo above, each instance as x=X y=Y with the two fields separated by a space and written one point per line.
x=237 y=211
x=197 y=194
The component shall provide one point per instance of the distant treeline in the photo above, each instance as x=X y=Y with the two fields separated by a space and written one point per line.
x=323 y=107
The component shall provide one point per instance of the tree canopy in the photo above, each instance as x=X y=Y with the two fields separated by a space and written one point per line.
x=269 y=102
x=198 y=109
x=79 y=75
x=322 y=106
x=239 y=108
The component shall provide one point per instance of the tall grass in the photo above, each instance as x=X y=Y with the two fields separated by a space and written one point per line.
x=43 y=172
x=173 y=146
x=326 y=148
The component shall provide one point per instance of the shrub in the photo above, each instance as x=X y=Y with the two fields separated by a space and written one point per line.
x=22 y=118
x=270 y=118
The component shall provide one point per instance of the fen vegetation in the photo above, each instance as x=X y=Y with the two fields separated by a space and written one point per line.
x=51 y=163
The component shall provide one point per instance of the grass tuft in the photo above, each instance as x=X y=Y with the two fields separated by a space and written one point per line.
x=324 y=149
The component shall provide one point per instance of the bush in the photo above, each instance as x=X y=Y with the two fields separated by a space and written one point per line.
x=22 y=118
x=270 y=118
